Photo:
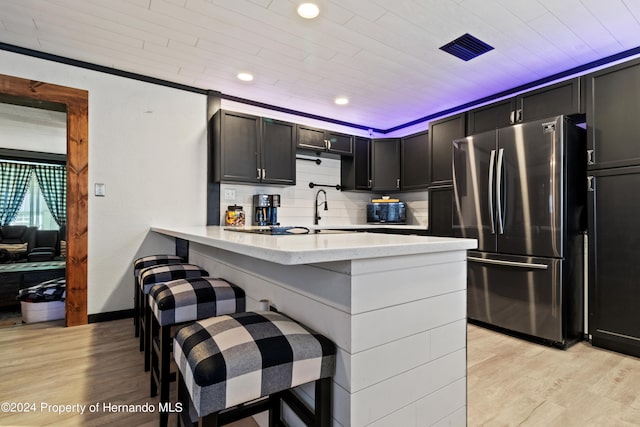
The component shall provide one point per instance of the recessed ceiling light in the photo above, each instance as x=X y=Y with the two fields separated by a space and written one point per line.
x=341 y=100
x=245 y=77
x=308 y=10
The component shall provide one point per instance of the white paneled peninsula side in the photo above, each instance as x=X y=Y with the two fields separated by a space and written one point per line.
x=395 y=306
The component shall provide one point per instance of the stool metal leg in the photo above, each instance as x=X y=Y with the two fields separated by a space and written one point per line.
x=146 y=334
x=154 y=358
x=275 y=409
x=136 y=308
x=184 y=418
x=161 y=365
x=212 y=420
x=165 y=362
x=323 y=402
x=141 y=317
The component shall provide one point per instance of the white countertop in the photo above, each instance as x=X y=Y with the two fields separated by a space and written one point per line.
x=315 y=248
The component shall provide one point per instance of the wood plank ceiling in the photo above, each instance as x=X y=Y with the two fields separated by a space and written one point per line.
x=383 y=55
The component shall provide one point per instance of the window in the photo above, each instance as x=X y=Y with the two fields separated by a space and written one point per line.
x=34 y=210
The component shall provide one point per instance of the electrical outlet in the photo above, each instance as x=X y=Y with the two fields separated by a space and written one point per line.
x=229 y=195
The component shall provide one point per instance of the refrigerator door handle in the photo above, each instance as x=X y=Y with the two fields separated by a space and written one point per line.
x=492 y=164
x=508 y=263
x=499 y=191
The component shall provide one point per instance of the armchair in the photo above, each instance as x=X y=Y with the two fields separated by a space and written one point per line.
x=46 y=246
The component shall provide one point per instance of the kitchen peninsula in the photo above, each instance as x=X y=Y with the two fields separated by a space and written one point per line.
x=395 y=305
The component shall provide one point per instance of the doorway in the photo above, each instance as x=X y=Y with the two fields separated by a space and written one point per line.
x=75 y=103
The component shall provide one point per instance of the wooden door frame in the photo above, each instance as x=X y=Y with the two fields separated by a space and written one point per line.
x=76 y=103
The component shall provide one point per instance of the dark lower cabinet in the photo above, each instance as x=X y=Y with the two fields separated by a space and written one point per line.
x=385 y=164
x=441 y=211
x=614 y=254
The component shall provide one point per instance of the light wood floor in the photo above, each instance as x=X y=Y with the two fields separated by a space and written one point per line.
x=46 y=363
x=510 y=382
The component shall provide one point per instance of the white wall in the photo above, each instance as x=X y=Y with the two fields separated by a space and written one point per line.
x=33 y=129
x=147 y=143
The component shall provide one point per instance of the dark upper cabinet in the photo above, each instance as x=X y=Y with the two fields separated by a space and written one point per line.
x=339 y=143
x=247 y=148
x=613 y=113
x=355 y=172
x=278 y=152
x=236 y=154
x=385 y=164
x=441 y=135
x=553 y=100
x=311 y=138
x=322 y=140
x=415 y=161
x=490 y=117
x=441 y=211
x=560 y=98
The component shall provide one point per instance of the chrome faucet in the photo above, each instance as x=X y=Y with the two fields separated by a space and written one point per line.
x=316 y=216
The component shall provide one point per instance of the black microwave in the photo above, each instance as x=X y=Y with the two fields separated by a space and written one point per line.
x=386 y=212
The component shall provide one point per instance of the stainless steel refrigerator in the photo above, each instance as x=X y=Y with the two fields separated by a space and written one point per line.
x=521 y=192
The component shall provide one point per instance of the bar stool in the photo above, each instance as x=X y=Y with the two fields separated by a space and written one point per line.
x=139 y=264
x=156 y=275
x=175 y=303
x=227 y=362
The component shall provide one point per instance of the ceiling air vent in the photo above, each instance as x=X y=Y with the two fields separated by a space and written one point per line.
x=466 y=47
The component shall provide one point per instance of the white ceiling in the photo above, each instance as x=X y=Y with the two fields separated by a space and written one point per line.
x=382 y=54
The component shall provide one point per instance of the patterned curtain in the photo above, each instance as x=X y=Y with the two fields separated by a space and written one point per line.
x=53 y=184
x=14 y=180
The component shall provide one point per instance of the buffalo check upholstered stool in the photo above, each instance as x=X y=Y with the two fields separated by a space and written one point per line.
x=228 y=365
x=179 y=301
x=138 y=265
x=157 y=275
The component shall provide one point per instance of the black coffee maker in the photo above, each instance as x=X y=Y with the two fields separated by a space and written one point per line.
x=265 y=209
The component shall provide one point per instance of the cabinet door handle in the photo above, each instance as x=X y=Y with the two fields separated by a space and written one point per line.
x=398 y=183
x=328 y=144
x=519 y=115
x=370 y=183
x=264 y=174
x=259 y=173
x=590 y=157
x=512 y=117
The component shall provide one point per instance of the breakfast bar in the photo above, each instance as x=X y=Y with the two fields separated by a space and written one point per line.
x=395 y=305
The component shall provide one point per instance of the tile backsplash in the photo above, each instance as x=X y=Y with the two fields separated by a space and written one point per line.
x=297 y=201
